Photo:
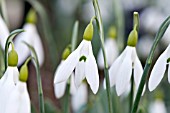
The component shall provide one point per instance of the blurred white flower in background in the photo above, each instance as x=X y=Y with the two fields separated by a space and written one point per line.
x=4 y=33
x=80 y=97
x=151 y=19
x=32 y=37
x=157 y=106
x=144 y=46
x=111 y=50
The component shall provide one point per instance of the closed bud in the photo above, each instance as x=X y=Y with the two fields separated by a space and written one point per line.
x=66 y=53
x=88 y=33
x=133 y=38
x=12 y=58
x=23 y=75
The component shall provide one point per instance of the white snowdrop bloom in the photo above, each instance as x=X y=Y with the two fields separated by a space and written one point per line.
x=32 y=37
x=84 y=63
x=158 y=70
x=18 y=101
x=157 y=106
x=4 y=33
x=120 y=71
x=111 y=51
x=7 y=85
x=79 y=98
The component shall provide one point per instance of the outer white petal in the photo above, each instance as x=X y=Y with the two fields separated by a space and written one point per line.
x=91 y=71
x=4 y=33
x=22 y=50
x=67 y=67
x=79 y=73
x=157 y=106
x=38 y=46
x=115 y=67
x=18 y=100
x=59 y=89
x=80 y=97
x=158 y=70
x=124 y=73
x=138 y=70
x=7 y=86
x=111 y=53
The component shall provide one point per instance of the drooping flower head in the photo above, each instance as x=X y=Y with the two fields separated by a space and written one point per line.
x=83 y=61
x=111 y=49
x=121 y=70
x=31 y=36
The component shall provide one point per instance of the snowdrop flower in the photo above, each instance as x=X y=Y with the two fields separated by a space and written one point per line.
x=9 y=80
x=4 y=33
x=158 y=70
x=32 y=37
x=120 y=71
x=158 y=106
x=111 y=49
x=83 y=61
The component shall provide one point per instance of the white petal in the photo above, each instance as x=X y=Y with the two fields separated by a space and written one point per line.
x=22 y=50
x=91 y=72
x=79 y=73
x=4 y=33
x=157 y=106
x=115 y=67
x=65 y=70
x=18 y=100
x=38 y=47
x=73 y=88
x=80 y=97
x=158 y=71
x=85 y=48
x=124 y=73
x=59 y=89
x=111 y=50
x=138 y=70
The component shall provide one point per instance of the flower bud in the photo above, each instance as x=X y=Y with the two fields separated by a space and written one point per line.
x=133 y=38
x=66 y=53
x=88 y=33
x=23 y=75
x=31 y=17
x=112 y=32
x=12 y=58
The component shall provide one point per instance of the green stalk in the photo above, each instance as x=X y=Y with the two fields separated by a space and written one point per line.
x=73 y=46
x=158 y=37
x=39 y=83
x=101 y=33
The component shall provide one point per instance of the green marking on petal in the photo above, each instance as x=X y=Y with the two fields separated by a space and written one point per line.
x=88 y=33
x=168 y=60
x=83 y=58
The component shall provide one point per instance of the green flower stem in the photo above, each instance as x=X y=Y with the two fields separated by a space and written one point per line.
x=131 y=93
x=101 y=33
x=9 y=40
x=39 y=83
x=73 y=46
x=136 y=21
x=147 y=67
